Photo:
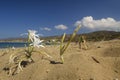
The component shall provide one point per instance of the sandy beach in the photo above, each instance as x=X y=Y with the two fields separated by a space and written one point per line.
x=100 y=62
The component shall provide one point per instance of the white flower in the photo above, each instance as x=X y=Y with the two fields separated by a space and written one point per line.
x=32 y=34
x=36 y=42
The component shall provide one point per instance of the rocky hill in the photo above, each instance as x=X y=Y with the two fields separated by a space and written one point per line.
x=93 y=36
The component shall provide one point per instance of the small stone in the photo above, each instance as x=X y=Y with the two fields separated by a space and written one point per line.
x=115 y=79
x=99 y=47
x=47 y=71
x=91 y=79
x=80 y=79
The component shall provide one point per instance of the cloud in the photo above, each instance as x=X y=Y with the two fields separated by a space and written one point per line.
x=61 y=27
x=46 y=29
x=101 y=24
x=40 y=34
x=23 y=34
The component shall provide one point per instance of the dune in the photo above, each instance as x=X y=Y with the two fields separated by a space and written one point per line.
x=100 y=62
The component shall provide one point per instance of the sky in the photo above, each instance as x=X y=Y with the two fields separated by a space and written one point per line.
x=55 y=17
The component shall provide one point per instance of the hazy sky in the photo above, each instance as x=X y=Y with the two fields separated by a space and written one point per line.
x=54 y=17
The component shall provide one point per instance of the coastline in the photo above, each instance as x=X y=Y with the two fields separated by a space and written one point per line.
x=12 y=44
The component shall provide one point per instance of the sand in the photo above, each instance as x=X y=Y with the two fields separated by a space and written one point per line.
x=100 y=62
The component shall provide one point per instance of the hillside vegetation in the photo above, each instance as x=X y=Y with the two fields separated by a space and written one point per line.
x=93 y=36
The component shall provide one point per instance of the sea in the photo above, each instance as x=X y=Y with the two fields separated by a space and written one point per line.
x=12 y=44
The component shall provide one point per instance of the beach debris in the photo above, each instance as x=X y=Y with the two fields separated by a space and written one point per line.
x=95 y=60
x=13 y=48
x=16 y=63
x=82 y=43
x=4 y=52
